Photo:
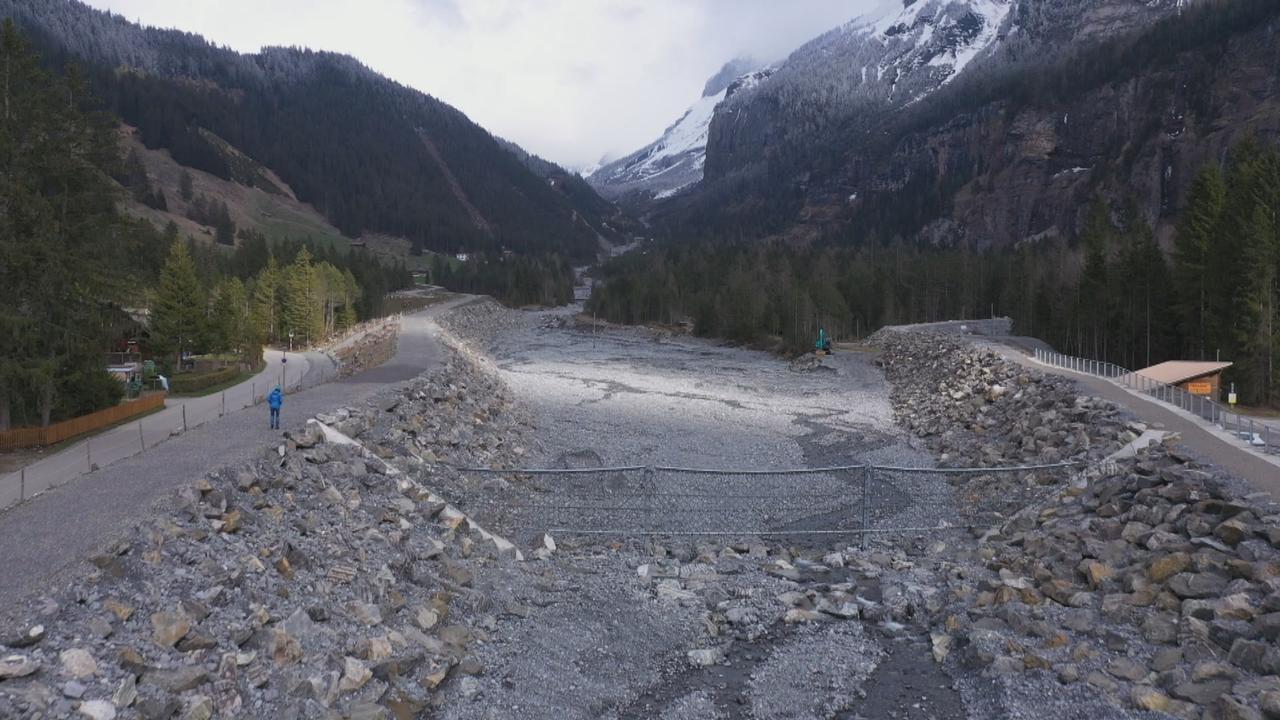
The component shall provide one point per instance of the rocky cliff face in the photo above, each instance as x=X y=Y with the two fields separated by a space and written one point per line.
x=884 y=60
x=991 y=123
x=1022 y=172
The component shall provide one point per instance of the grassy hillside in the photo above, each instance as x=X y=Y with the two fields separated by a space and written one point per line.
x=276 y=215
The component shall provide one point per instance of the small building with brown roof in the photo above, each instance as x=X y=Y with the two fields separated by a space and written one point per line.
x=1197 y=378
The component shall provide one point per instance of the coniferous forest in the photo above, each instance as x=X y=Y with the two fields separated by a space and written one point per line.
x=1112 y=294
x=369 y=154
x=71 y=262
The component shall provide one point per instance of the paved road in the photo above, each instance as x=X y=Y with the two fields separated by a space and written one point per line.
x=50 y=537
x=1223 y=452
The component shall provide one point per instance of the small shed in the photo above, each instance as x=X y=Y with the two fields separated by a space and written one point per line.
x=1197 y=378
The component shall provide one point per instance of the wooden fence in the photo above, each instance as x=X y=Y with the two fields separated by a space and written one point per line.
x=57 y=432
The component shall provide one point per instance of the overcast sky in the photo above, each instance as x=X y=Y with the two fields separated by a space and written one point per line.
x=570 y=80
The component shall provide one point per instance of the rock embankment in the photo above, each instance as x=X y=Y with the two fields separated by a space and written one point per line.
x=976 y=409
x=369 y=348
x=1150 y=582
x=318 y=581
x=478 y=323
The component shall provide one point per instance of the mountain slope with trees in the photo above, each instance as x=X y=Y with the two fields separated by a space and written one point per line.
x=1115 y=193
x=371 y=155
x=76 y=271
x=64 y=247
x=1073 y=99
x=1112 y=294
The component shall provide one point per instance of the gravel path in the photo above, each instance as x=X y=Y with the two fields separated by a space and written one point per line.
x=1262 y=472
x=44 y=471
x=45 y=541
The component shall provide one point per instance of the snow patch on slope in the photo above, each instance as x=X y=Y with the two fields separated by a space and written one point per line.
x=688 y=133
x=676 y=160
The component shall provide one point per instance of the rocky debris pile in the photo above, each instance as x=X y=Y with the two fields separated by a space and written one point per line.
x=315 y=582
x=461 y=416
x=808 y=362
x=1154 y=584
x=1150 y=582
x=976 y=409
x=478 y=323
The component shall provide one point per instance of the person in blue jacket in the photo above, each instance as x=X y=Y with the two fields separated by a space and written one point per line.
x=274 y=401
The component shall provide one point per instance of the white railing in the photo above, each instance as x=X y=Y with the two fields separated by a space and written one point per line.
x=1250 y=431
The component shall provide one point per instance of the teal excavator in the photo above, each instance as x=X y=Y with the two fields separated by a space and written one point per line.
x=822 y=346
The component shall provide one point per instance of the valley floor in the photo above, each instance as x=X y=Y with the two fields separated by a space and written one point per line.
x=769 y=609
x=599 y=640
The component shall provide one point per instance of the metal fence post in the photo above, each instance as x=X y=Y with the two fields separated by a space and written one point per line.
x=253 y=393
x=88 y=452
x=224 y=404
x=142 y=441
x=866 y=504
x=22 y=484
x=184 y=417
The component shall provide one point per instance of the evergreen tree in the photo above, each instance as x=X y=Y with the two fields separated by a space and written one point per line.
x=1093 y=302
x=266 y=315
x=302 y=305
x=185 y=186
x=178 y=309
x=224 y=228
x=61 y=241
x=232 y=330
x=1260 y=336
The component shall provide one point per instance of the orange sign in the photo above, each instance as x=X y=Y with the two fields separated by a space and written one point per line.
x=1200 y=388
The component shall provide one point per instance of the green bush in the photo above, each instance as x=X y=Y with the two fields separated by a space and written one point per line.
x=195 y=382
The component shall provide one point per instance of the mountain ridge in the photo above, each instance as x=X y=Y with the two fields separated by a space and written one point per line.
x=984 y=158
x=676 y=159
x=347 y=140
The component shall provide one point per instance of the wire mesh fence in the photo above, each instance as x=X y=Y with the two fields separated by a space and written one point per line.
x=1250 y=431
x=853 y=500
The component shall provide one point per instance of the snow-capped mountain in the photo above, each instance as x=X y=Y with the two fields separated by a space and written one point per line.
x=979 y=122
x=894 y=55
x=675 y=160
x=890 y=57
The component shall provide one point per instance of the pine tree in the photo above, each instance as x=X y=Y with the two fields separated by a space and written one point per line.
x=185 y=186
x=224 y=227
x=60 y=239
x=1258 y=333
x=1093 y=306
x=266 y=301
x=178 y=308
x=232 y=329
x=302 y=310
x=1193 y=248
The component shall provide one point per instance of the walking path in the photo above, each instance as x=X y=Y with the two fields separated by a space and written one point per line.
x=1219 y=448
x=302 y=369
x=49 y=537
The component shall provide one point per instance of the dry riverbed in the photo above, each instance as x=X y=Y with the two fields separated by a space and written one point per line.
x=337 y=580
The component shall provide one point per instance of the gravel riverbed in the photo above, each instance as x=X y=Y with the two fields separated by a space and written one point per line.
x=353 y=572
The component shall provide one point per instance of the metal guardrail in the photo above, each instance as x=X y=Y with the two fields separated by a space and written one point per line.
x=853 y=500
x=1249 y=431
